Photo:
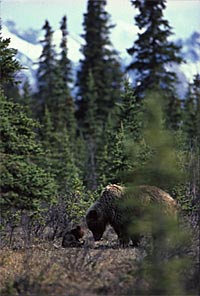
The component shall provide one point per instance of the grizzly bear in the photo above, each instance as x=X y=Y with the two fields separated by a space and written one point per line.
x=115 y=207
x=72 y=238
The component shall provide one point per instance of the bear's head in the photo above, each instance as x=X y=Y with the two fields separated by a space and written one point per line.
x=78 y=232
x=96 y=222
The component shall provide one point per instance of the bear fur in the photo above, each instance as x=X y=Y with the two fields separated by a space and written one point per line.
x=113 y=208
x=72 y=238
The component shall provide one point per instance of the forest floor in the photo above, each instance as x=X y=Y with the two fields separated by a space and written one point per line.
x=45 y=268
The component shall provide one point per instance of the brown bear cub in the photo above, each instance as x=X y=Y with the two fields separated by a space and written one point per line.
x=73 y=238
x=112 y=208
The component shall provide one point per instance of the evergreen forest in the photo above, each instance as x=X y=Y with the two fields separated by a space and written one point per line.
x=64 y=142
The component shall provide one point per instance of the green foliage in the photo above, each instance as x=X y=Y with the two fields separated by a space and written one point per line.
x=99 y=59
x=152 y=51
x=59 y=156
x=113 y=123
x=111 y=158
x=192 y=167
x=92 y=129
x=91 y=123
x=8 y=64
x=52 y=88
x=9 y=68
x=191 y=123
x=162 y=164
x=163 y=269
x=65 y=63
x=174 y=112
x=123 y=123
x=24 y=184
x=66 y=106
x=78 y=203
x=57 y=111
x=129 y=113
x=166 y=268
x=66 y=172
x=11 y=91
x=26 y=99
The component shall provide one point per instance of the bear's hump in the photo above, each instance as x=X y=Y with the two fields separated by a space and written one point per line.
x=113 y=190
x=158 y=196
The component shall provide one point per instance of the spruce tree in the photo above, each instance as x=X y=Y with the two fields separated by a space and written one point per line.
x=59 y=156
x=191 y=122
x=9 y=66
x=26 y=98
x=47 y=137
x=91 y=131
x=24 y=183
x=164 y=268
x=112 y=160
x=129 y=112
x=54 y=77
x=101 y=60
x=174 y=112
x=123 y=124
x=65 y=63
x=66 y=103
x=153 y=54
x=48 y=77
x=189 y=125
x=64 y=164
x=196 y=88
x=58 y=134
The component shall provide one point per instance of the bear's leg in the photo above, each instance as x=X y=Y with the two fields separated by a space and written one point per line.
x=122 y=236
x=124 y=241
x=136 y=240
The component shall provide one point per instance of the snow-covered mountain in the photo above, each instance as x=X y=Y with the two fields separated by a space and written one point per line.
x=29 y=49
x=28 y=52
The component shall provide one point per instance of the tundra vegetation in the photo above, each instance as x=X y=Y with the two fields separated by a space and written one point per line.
x=60 y=148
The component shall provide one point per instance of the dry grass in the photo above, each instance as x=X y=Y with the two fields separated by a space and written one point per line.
x=49 y=269
x=45 y=268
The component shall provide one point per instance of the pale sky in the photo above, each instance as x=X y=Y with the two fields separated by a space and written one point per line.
x=183 y=15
